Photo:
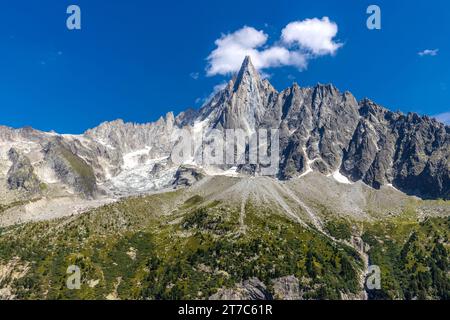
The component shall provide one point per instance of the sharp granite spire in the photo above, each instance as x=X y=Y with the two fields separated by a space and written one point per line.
x=244 y=102
x=247 y=74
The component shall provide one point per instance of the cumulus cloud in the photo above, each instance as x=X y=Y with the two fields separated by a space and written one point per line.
x=314 y=35
x=443 y=117
x=428 y=52
x=300 y=41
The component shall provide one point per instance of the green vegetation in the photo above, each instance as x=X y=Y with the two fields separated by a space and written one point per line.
x=131 y=250
x=339 y=229
x=413 y=258
x=195 y=200
x=43 y=187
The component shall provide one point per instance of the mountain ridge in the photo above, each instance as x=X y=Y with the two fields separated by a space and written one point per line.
x=321 y=129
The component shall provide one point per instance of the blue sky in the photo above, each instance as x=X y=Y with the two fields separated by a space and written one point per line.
x=137 y=60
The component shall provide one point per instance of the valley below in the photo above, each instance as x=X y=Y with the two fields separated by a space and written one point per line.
x=236 y=238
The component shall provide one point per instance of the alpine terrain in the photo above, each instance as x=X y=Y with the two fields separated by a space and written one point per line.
x=358 y=189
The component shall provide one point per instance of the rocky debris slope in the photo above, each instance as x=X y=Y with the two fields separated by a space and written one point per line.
x=197 y=232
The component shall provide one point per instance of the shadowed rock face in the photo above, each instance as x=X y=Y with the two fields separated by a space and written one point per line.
x=71 y=169
x=408 y=151
x=321 y=129
x=318 y=125
x=187 y=176
x=324 y=130
x=21 y=174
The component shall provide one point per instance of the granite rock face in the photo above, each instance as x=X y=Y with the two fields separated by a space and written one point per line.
x=325 y=130
x=187 y=176
x=71 y=169
x=286 y=288
x=252 y=289
x=410 y=152
x=21 y=175
x=247 y=98
x=120 y=137
x=320 y=129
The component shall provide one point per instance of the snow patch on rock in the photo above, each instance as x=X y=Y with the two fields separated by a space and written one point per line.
x=339 y=177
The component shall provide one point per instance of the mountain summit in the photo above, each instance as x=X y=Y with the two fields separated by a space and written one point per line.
x=241 y=105
x=247 y=74
x=322 y=131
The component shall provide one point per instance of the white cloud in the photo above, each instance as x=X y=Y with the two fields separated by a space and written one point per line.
x=219 y=87
x=216 y=89
x=313 y=35
x=428 y=52
x=291 y=77
x=232 y=48
x=278 y=56
x=443 y=117
x=300 y=41
x=194 y=75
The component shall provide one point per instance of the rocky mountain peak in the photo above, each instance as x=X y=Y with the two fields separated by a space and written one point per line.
x=247 y=74
x=245 y=100
x=322 y=130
